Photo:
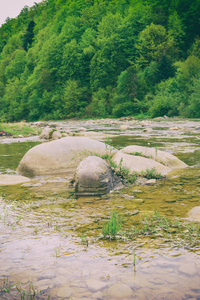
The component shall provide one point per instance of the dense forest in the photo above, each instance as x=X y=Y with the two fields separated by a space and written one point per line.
x=101 y=58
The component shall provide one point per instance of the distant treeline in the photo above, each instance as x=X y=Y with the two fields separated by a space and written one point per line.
x=100 y=58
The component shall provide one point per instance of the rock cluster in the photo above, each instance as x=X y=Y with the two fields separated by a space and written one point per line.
x=59 y=157
x=93 y=175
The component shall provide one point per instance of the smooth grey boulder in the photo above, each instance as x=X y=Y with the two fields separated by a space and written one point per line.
x=93 y=176
x=162 y=157
x=139 y=159
x=60 y=157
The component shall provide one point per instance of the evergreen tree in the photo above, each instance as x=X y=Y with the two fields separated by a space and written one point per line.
x=29 y=35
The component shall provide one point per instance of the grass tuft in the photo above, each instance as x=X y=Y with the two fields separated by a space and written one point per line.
x=112 y=226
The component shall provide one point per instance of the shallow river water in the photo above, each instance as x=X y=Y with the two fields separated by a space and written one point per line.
x=51 y=243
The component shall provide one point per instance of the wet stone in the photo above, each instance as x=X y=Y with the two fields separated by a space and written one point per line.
x=129 y=280
x=157 y=280
x=139 y=200
x=17 y=256
x=98 y=295
x=83 y=295
x=64 y=292
x=44 y=285
x=120 y=291
x=46 y=276
x=194 y=213
x=150 y=182
x=172 y=280
x=96 y=285
x=170 y=200
x=187 y=269
x=129 y=197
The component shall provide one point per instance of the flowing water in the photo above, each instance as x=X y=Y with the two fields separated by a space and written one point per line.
x=51 y=243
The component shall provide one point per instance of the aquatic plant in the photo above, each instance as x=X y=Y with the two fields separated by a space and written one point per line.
x=84 y=239
x=15 y=289
x=134 y=259
x=177 y=232
x=112 y=226
x=152 y=174
x=140 y=154
x=122 y=171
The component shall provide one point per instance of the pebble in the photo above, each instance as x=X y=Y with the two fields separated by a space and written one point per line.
x=174 y=128
x=128 y=197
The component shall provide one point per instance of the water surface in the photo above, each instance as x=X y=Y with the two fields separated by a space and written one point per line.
x=51 y=242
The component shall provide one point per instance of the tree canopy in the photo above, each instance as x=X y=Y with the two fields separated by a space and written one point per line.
x=99 y=58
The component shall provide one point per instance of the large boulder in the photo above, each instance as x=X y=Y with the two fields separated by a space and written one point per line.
x=59 y=157
x=139 y=159
x=165 y=158
x=93 y=177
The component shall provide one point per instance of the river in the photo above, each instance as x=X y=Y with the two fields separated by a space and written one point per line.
x=51 y=242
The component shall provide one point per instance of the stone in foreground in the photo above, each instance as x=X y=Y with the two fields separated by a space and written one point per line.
x=12 y=179
x=60 y=157
x=93 y=177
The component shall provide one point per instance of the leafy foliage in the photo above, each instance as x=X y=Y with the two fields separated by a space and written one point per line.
x=62 y=59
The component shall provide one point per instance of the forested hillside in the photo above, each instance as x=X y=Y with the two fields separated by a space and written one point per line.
x=98 y=58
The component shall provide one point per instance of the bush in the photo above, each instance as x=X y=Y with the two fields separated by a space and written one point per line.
x=194 y=100
x=100 y=105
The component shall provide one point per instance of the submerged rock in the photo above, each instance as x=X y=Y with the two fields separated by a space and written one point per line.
x=138 y=159
x=96 y=285
x=60 y=157
x=120 y=291
x=12 y=179
x=94 y=177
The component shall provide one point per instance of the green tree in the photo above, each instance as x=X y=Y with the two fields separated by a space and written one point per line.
x=74 y=100
x=12 y=98
x=108 y=60
x=194 y=100
x=29 y=35
x=165 y=69
x=17 y=65
x=176 y=31
x=101 y=103
x=153 y=44
x=195 y=49
x=125 y=101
